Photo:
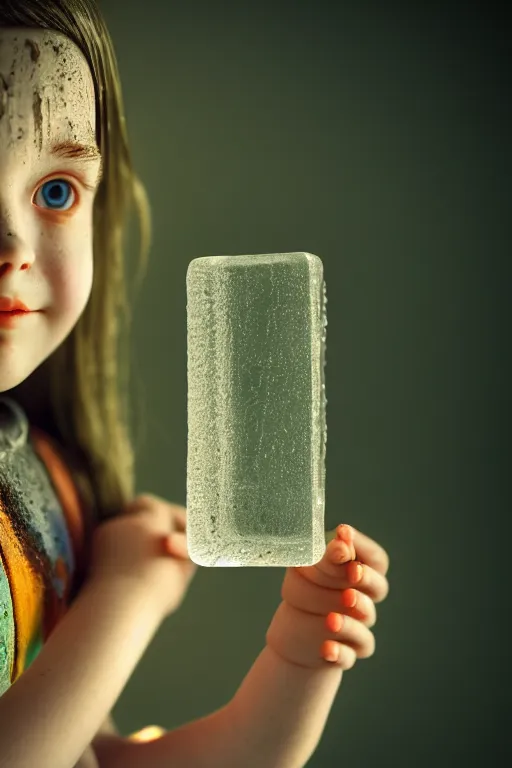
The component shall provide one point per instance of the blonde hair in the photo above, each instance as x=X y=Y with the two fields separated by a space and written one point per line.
x=85 y=381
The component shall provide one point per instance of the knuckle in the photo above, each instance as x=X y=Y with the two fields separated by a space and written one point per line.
x=368 y=646
x=348 y=657
x=383 y=590
x=384 y=561
x=372 y=618
x=145 y=496
x=141 y=501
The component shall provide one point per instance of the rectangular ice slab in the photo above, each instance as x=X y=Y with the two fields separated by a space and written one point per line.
x=256 y=330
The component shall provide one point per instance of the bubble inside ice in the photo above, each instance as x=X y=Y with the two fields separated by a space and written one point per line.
x=256 y=340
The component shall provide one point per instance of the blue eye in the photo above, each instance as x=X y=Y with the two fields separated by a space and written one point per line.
x=56 y=194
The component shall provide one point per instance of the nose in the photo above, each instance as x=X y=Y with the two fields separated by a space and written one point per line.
x=15 y=254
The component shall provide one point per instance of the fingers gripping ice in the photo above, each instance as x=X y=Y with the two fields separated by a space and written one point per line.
x=256 y=410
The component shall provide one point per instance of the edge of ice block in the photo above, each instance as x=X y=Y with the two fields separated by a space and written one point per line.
x=260 y=258
x=239 y=551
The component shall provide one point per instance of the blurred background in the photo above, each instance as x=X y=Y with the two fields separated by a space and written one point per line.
x=375 y=135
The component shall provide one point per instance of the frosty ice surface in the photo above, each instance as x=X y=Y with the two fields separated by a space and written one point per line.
x=256 y=331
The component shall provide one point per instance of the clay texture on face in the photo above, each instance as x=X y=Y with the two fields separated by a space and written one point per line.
x=47 y=102
x=47 y=89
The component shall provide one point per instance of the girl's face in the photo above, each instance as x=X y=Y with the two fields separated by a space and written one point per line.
x=50 y=168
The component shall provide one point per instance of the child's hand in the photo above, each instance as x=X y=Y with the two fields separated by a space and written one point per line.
x=328 y=608
x=146 y=544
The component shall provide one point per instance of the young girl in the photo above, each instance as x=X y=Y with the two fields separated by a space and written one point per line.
x=88 y=572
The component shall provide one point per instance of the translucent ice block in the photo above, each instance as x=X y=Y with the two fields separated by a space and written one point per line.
x=257 y=430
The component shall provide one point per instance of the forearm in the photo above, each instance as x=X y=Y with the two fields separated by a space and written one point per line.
x=50 y=715
x=280 y=710
x=275 y=720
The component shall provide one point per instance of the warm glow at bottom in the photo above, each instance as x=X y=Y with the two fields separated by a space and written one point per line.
x=147 y=734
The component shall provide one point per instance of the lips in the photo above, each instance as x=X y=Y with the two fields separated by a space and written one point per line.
x=12 y=312
x=12 y=305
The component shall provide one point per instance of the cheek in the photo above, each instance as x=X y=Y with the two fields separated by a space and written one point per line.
x=72 y=287
x=69 y=273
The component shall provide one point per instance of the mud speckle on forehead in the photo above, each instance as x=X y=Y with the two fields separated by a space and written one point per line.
x=34 y=49
x=45 y=88
x=3 y=95
x=38 y=118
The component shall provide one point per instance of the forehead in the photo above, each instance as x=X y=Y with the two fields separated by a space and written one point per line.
x=46 y=87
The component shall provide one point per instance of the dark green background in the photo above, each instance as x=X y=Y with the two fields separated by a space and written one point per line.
x=376 y=136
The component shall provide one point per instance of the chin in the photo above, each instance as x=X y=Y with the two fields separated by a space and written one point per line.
x=13 y=372
x=8 y=382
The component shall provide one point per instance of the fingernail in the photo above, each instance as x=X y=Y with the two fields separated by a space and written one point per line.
x=332 y=653
x=344 y=533
x=334 y=622
x=355 y=572
x=349 y=598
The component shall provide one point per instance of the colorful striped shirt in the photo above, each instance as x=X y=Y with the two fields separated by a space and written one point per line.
x=41 y=540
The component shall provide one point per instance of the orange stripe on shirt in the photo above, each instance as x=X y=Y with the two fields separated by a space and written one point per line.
x=26 y=592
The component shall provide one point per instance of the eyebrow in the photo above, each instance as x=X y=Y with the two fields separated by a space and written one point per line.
x=76 y=151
